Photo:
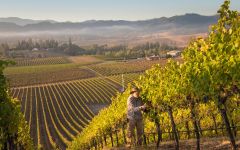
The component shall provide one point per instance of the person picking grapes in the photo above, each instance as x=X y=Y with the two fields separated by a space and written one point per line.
x=135 y=107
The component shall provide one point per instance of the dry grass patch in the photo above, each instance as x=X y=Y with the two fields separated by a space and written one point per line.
x=84 y=59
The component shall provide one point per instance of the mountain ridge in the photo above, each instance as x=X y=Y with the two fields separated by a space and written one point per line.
x=176 y=29
x=37 y=25
x=21 y=21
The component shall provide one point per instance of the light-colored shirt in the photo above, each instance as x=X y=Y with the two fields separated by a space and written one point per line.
x=133 y=108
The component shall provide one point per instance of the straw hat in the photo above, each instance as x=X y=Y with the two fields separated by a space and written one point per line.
x=135 y=89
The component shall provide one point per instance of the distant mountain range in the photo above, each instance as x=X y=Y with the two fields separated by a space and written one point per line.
x=23 y=22
x=188 y=24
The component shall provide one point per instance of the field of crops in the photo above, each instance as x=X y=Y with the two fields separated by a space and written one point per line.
x=59 y=98
x=38 y=68
x=107 y=69
x=57 y=112
x=24 y=79
x=41 y=61
x=32 y=75
x=124 y=78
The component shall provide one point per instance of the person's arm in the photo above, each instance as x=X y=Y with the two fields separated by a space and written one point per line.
x=142 y=105
x=131 y=107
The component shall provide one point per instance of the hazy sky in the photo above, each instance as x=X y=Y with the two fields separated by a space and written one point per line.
x=80 y=10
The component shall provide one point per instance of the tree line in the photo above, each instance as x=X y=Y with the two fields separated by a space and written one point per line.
x=69 y=48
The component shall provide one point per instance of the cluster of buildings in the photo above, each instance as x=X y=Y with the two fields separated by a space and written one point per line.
x=173 y=53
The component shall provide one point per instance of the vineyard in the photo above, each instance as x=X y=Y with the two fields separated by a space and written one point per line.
x=41 y=61
x=80 y=102
x=60 y=98
x=58 y=112
x=124 y=79
x=107 y=69
x=42 y=74
x=196 y=98
x=38 y=68
x=25 y=79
